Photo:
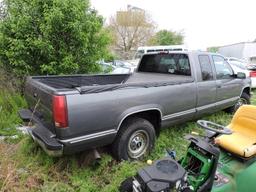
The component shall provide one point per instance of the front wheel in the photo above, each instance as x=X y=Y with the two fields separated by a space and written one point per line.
x=243 y=100
x=135 y=139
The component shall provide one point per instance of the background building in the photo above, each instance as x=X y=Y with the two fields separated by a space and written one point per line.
x=243 y=50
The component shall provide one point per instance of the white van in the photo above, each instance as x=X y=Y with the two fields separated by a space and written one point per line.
x=149 y=49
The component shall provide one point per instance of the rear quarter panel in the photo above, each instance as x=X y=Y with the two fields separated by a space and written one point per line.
x=92 y=113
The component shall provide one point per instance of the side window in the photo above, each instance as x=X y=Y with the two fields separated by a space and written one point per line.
x=223 y=69
x=206 y=68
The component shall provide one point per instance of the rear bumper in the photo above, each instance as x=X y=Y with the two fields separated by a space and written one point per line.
x=45 y=138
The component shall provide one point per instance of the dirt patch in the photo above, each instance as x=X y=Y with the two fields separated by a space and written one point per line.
x=12 y=177
x=8 y=176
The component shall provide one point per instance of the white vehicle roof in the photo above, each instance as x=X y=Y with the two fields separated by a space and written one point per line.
x=170 y=47
x=149 y=49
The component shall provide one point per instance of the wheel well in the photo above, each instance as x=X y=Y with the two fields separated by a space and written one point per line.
x=153 y=116
x=247 y=90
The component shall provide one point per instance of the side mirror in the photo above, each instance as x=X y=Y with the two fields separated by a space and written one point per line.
x=241 y=75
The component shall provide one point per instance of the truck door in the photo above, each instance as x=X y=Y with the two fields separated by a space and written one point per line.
x=228 y=87
x=206 y=86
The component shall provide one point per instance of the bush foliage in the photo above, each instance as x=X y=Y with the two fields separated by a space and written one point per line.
x=51 y=37
x=166 y=37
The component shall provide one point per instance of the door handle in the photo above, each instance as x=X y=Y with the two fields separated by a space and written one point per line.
x=218 y=86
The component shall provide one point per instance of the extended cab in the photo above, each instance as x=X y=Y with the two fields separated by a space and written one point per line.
x=77 y=112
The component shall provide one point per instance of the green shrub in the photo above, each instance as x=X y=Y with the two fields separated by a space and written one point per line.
x=51 y=37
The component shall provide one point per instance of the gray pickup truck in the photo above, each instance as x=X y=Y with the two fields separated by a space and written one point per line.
x=77 y=112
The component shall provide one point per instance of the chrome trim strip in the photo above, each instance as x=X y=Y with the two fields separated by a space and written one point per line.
x=88 y=137
x=199 y=108
x=227 y=100
x=205 y=107
x=179 y=114
x=216 y=103
x=142 y=110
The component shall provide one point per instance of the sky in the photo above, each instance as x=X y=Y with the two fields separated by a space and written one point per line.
x=205 y=22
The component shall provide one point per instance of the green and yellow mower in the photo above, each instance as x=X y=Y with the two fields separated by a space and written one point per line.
x=222 y=161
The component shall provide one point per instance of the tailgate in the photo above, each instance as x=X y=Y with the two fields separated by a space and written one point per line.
x=39 y=101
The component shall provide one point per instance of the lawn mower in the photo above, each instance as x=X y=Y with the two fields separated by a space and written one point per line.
x=222 y=160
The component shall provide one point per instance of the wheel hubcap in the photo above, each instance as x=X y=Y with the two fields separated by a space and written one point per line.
x=138 y=144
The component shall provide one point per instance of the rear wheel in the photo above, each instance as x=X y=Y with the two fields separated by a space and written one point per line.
x=243 y=100
x=135 y=139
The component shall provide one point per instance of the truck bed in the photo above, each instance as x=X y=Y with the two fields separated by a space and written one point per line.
x=70 y=82
x=144 y=80
x=99 y=83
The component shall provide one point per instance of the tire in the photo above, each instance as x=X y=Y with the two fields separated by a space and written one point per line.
x=243 y=100
x=134 y=140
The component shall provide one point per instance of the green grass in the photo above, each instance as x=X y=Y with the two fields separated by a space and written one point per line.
x=253 y=99
x=25 y=167
x=10 y=103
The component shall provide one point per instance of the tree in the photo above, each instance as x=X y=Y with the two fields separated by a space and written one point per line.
x=165 y=37
x=51 y=37
x=213 y=49
x=130 y=29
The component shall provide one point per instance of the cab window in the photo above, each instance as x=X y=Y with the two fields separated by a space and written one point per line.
x=223 y=69
x=206 y=68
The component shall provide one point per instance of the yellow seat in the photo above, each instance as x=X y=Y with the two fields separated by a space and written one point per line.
x=242 y=141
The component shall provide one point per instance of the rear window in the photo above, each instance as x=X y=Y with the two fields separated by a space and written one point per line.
x=171 y=63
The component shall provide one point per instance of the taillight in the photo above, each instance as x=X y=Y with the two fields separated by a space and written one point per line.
x=59 y=108
x=253 y=74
